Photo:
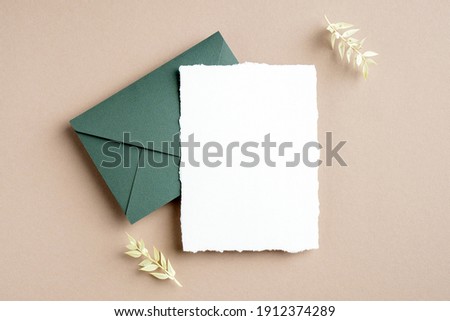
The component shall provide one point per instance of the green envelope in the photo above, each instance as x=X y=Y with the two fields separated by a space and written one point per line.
x=136 y=126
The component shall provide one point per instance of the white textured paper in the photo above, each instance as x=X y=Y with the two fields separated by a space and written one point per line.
x=260 y=208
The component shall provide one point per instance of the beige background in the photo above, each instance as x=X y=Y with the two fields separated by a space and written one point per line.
x=385 y=219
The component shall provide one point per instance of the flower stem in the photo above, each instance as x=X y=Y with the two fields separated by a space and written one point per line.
x=147 y=255
x=345 y=40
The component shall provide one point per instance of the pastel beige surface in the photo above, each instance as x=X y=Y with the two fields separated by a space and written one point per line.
x=384 y=219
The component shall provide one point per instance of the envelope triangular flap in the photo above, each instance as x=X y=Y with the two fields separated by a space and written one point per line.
x=149 y=108
x=118 y=177
x=156 y=183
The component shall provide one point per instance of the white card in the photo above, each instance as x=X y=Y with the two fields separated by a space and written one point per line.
x=226 y=206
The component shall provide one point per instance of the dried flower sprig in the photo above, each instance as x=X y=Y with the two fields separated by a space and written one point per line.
x=151 y=264
x=349 y=46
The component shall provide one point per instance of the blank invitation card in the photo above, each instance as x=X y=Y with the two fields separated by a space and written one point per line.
x=245 y=183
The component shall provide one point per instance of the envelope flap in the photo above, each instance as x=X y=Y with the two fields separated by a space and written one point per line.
x=146 y=113
x=118 y=178
x=155 y=184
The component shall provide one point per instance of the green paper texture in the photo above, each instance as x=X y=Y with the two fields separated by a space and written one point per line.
x=149 y=110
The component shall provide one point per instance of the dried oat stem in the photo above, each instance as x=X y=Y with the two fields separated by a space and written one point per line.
x=151 y=264
x=350 y=46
